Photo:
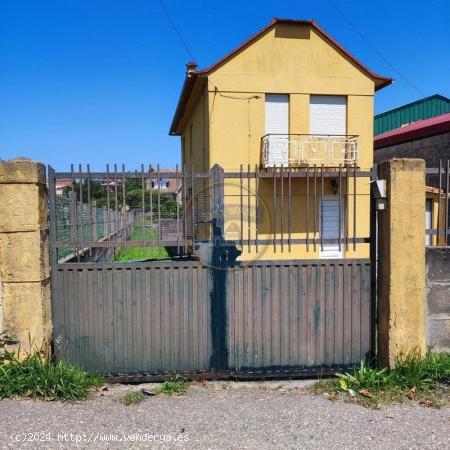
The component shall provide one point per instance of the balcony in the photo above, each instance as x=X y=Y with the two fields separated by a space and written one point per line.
x=299 y=150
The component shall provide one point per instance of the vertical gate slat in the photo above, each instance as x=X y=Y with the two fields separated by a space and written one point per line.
x=303 y=319
x=248 y=361
x=338 y=315
x=330 y=313
x=356 y=313
x=347 y=314
x=366 y=321
x=293 y=302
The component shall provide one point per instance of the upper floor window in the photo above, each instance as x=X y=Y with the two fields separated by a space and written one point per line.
x=328 y=115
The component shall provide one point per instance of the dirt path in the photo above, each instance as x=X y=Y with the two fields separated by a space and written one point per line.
x=220 y=416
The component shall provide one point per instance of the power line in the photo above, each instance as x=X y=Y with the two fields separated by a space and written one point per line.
x=183 y=43
x=375 y=49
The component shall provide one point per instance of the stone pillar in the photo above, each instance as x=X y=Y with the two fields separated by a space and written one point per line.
x=24 y=254
x=401 y=260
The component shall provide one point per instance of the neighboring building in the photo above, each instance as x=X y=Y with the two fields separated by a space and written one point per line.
x=424 y=108
x=61 y=185
x=288 y=95
x=171 y=186
x=428 y=139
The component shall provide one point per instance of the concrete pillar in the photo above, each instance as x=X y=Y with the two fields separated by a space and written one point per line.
x=401 y=260
x=24 y=255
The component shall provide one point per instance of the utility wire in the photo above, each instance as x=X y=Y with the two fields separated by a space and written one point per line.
x=172 y=23
x=333 y=4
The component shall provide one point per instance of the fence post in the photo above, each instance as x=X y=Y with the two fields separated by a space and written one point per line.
x=401 y=260
x=25 y=313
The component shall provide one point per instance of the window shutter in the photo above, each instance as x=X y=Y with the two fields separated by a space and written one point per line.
x=328 y=115
x=277 y=123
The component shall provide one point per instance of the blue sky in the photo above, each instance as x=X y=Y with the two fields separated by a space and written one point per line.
x=97 y=81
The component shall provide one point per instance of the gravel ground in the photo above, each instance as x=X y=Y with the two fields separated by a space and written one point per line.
x=221 y=415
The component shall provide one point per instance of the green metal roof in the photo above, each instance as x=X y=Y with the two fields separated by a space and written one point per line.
x=421 y=109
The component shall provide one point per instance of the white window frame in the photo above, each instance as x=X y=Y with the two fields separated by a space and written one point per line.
x=331 y=251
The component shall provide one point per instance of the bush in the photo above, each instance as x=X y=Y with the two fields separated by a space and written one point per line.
x=36 y=377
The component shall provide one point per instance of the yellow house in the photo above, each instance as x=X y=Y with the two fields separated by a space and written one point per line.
x=294 y=106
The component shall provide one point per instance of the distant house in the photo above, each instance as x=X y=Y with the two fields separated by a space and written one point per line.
x=61 y=184
x=170 y=186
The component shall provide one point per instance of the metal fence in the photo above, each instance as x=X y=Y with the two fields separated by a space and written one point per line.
x=437 y=215
x=166 y=212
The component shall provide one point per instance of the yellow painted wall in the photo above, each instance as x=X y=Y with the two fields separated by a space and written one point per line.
x=294 y=60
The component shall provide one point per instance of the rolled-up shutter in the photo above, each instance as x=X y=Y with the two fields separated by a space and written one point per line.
x=277 y=125
x=328 y=115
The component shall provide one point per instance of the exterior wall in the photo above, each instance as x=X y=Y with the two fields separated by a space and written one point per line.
x=24 y=256
x=296 y=61
x=438 y=295
x=298 y=214
x=288 y=59
x=195 y=137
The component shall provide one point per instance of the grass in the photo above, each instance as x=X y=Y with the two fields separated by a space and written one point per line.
x=414 y=378
x=132 y=398
x=174 y=386
x=140 y=253
x=35 y=377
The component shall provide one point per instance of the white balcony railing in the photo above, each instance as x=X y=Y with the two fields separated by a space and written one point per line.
x=283 y=150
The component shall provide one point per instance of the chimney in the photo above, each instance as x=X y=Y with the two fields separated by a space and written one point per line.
x=191 y=66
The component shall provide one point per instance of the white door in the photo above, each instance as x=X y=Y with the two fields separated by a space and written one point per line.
x=428 y=219
x=329 y=227
x=277 y=126
x=328 y=115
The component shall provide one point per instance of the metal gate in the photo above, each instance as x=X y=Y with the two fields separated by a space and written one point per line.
x=211 y=316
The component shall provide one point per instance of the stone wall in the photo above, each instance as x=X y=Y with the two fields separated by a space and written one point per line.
x=438 y=297
x=24 y=257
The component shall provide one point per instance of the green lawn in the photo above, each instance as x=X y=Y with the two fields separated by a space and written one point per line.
x=140 y=253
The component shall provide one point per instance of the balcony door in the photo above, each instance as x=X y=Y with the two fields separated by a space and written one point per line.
x=328 y=115
x=277 y=129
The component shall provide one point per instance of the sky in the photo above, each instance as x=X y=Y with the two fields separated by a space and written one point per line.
x=97 y=81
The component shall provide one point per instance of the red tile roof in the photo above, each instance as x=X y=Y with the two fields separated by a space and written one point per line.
x=415 y=130
x=380 y=81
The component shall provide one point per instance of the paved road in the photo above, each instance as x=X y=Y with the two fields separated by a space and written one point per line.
x=222 y=416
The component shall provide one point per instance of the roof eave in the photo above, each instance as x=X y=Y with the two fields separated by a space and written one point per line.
x=186 y=90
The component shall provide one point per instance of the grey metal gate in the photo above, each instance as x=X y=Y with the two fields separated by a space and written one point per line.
x=149 y=319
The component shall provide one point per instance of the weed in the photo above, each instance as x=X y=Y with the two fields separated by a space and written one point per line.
x=34 y=376
x=366 y=378
x=132 y=398
x=174 y=386
x=423 y=379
